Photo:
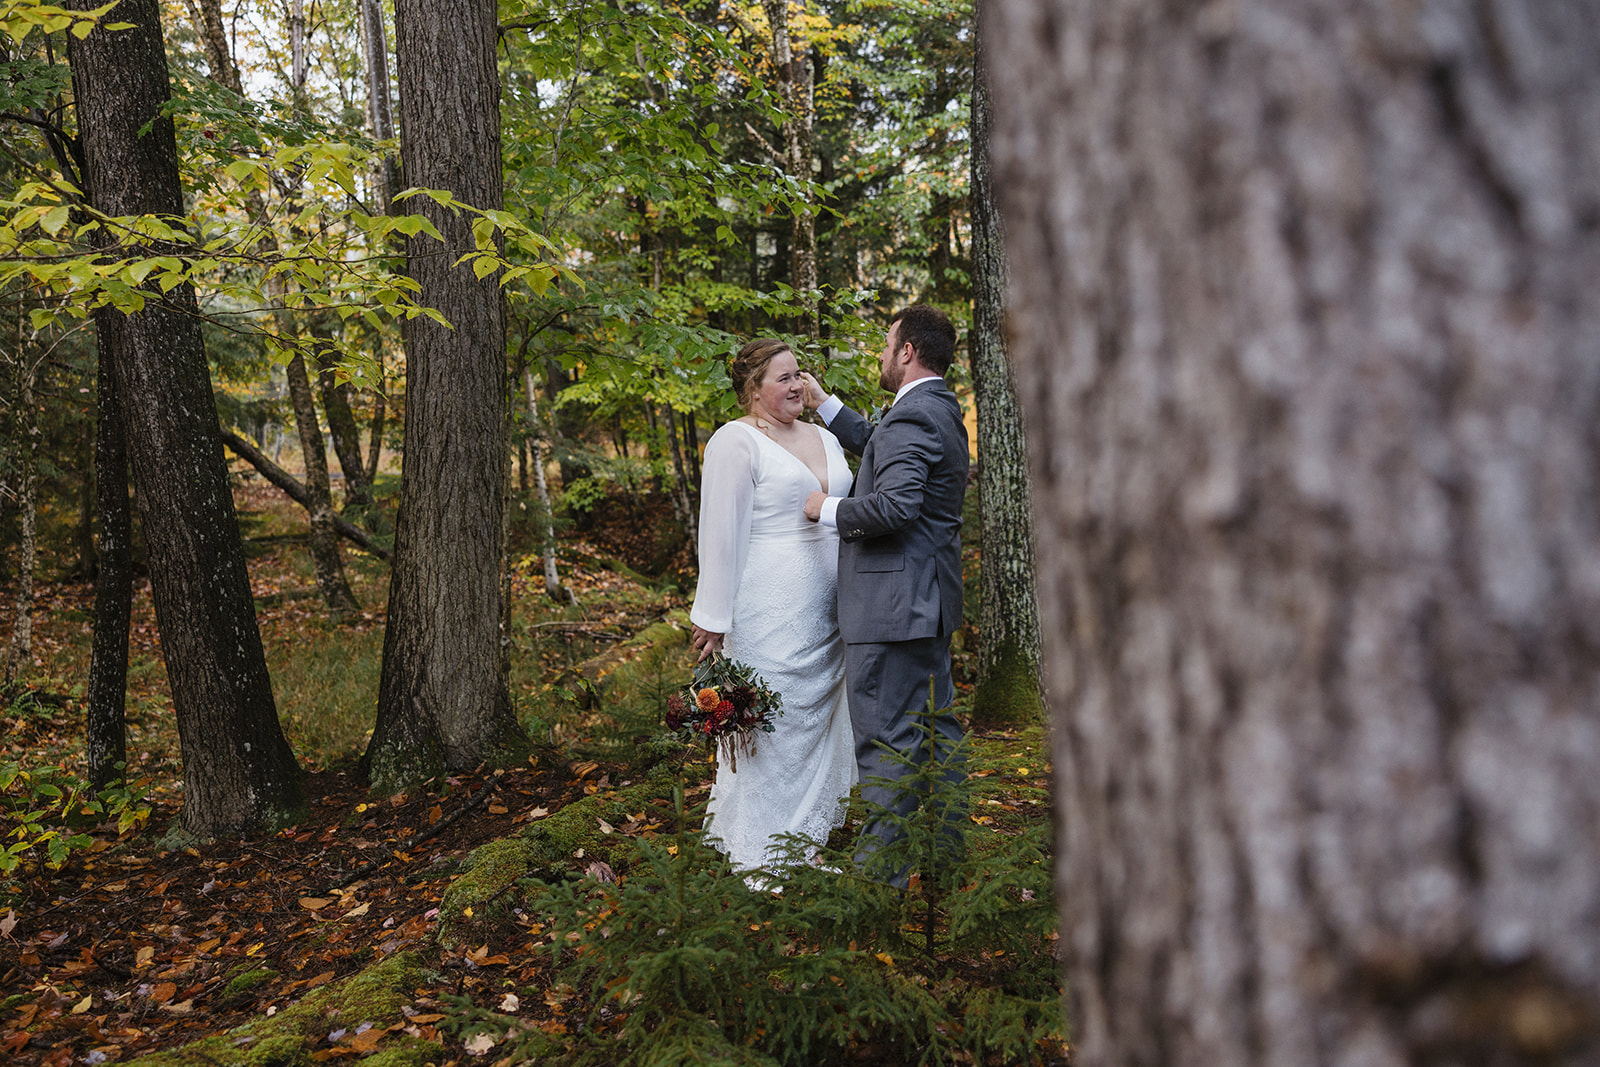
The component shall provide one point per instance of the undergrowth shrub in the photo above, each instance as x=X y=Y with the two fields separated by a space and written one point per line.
x=44 y=812
x=686 y=961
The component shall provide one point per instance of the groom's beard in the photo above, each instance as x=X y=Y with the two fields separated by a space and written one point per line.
x=890 y=379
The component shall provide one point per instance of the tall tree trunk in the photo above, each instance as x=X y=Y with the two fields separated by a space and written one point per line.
x=346 y=441
x=443 y=701
x=239 y=773
x=380 y=120
x=19 y=651
x=681 y=501
x=375 y=433
x=106 y=717
x=213 y=33
x=84 y=535
x=796 y=90
x=1008 y=621
x=325 y=561
x=1304 y=323
x=553 y=588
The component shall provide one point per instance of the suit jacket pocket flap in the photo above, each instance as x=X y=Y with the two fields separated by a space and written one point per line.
x=881 y=561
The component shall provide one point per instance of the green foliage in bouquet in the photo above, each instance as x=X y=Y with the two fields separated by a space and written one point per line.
x=725 y=703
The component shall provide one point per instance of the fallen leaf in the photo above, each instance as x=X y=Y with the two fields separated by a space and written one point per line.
x=143 y=957
x=315 y=903
x=434 y=814
x=357 y=912
x=509 y=1002
x=479 y=1045
x=9 y=923
x=164 y=992
x=605 y=827
x=498 y=809
x=367 y=1040
x=88 y=1002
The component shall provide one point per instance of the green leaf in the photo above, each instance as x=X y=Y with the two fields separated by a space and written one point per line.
x=55 y=220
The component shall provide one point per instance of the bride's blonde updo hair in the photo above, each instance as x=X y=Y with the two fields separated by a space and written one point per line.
x=749 y=367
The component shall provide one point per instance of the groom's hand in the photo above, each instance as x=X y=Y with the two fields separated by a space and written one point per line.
x=814 y=505
x=815 y=394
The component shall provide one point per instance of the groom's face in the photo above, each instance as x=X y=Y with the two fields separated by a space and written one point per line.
x=891 y=372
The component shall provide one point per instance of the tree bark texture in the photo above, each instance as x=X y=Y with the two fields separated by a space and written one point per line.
x=1008 y=689
x=443 y=700
x=239 y=773
x=1305 y=326
x=105 y=726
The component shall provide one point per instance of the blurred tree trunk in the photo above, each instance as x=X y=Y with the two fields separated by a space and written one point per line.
x=19 y=651
x=346 y=436
x=1008 y=621
x=380 y=115
x=1304 y=321
x=326 y=563
x=553 y=588
x=443 y=701
x=797 y=91
x=105 y=726
x=239 y=773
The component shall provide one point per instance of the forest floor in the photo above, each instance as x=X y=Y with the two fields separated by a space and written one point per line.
x=139 y=943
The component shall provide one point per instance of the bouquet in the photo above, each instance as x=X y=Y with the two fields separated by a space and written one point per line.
x=725 y=704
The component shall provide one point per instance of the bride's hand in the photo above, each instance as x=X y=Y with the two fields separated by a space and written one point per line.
x=705 y=641
x=815 y=394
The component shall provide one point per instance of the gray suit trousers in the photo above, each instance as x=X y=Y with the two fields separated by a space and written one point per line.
x=887 y=683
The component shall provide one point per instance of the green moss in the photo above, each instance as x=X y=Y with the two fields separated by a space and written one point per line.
x=288 y=1038
x=1008 y=695
x=394 y=769
x=242 y=983
x=477 y=897
x=557 y=838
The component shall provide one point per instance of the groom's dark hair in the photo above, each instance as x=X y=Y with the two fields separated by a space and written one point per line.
x=930 y=332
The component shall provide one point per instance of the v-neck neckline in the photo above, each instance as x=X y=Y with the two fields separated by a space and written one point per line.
x=822 y=483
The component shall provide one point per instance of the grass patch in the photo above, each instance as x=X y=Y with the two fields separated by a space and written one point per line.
x=326 y=688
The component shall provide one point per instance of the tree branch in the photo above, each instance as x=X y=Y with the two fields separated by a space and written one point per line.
x=297 y=492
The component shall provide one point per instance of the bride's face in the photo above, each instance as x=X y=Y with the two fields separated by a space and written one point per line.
x=781 y=394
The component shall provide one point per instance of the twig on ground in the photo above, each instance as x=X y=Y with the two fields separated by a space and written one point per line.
x=418 y=839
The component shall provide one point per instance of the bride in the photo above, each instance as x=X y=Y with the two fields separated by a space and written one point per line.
x=767 y=598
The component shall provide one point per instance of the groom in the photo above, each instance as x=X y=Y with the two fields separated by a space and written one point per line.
x=899 y=555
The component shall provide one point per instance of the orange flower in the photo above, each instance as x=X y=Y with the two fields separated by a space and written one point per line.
x=707 y=699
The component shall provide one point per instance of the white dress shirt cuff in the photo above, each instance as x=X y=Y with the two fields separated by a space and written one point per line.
x=828 y=517
x=828 y=409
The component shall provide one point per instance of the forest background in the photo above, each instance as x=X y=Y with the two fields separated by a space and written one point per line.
x=667 y=181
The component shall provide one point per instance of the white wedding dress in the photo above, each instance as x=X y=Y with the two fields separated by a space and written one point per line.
x=768 y=580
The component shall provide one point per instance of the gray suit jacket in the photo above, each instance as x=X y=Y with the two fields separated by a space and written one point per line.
x=900 y=527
